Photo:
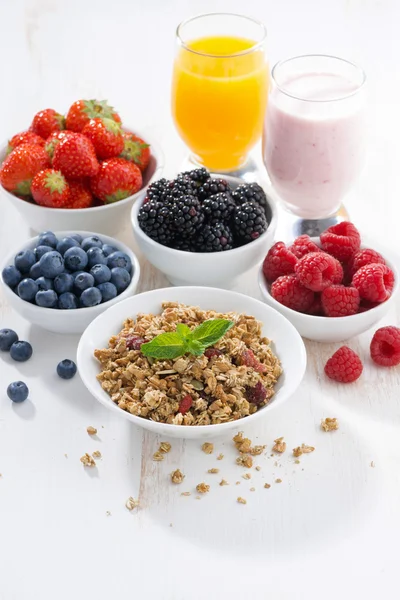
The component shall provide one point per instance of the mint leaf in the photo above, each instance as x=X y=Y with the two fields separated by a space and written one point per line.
x=183 y=330
x=209 y=332
x=165 y=346
x=195 y=347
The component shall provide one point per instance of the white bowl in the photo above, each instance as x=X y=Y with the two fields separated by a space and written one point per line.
x=287 y=344
x=332 y=329
x=67 y=321
x=216 y=269
x=108 y=219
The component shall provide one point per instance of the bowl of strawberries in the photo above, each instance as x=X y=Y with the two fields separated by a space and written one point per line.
x=83 y=170
x=330 y=288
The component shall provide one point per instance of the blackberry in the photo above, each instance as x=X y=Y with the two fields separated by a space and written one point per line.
x=199 y=176
x=211 y=187
x=184 y=244
x=250 y=192
x=181 y=186
x=218 y=208
x=249 y=222
x=154 y=220
x=214 y=238
x=186 y=214
x=157 y=190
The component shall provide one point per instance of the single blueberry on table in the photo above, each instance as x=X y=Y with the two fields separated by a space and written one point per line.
x=7 y=338
x=83 y=281
x=40 y=250
x=35 y=271
x=47 y=238
x=119 y=259
x=66 y=369
x=44 y=283
x=21 y=351
x=101 y=273
x=51 y=264
x=107 y=249
x=64 y=283
x=46 y=298
x=75 y=259
x=67 y=301
x=66 y=243
x=120 y=278
x=24 y=260
x=96 y=256
x=17 y=391
x=11 y=276
x=90 y=297
x=108 y=291
x=91 y=242
x=27 y=289
x=77 y=237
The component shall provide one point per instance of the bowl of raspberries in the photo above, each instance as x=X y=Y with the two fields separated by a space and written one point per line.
x=203 y=229
x=62 y=281
x=331 y=288
x=84 y=169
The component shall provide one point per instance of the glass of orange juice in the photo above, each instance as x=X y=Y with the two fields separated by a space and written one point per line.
x=220 y=89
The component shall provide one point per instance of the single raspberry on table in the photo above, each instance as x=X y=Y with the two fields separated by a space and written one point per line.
x=287 y=290
x=185 y=404
x=303 y=245
x=341 y=240
x=211 y=352
x=374 y=282
x=340 y=301
x=385 y=346
x=257 y=394
x=318 y=270
x=344 y=366
x=248 y=359
x=363 y=257
x=279 y=261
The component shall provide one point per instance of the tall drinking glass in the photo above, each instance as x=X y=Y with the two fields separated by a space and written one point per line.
x=220 y=88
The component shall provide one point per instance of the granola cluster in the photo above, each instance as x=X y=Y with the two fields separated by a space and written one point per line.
x=221 y=386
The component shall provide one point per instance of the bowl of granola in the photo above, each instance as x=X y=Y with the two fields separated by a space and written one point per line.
x=190 y=362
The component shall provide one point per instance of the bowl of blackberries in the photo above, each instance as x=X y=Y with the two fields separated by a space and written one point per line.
x=203 y=229
x=62 y=281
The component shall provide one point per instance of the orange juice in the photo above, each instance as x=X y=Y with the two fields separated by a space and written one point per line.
x=219 y=97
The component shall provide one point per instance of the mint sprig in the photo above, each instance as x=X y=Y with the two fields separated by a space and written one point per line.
x=186 y=341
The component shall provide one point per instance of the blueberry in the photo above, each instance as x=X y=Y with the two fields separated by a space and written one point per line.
x=77 y=237
x=66 y=369
x=35 y=271
x=67 y=301
x=120 y=278
x=64 y=283
x=46 y=298
x=27 y=289
x=47 y=238
x=21 y=351
x=108 y=291
x=40 y=250
x=119 y=259
x=11 y=276
x=83 y=281
x=65 y=243
x=101 y=273
x=96 y=256
x=90 y=297
x=107 y=249
x=24 y=260
x=7 y=338
x=17 y=391
x=44 y=283
x=51 y=264
x=75 y=259
x=91 y=242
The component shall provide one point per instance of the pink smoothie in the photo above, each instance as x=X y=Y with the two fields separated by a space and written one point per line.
x=314 y=151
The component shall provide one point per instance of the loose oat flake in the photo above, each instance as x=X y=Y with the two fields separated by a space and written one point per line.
x=247 y=476
x=177 y=476
x=202 y=488
x=267 y=486
x=329 y=424
x=165 y=447
x=213 y=470
x=96 y=454
x=241 y=500
x=131 y=503
x=220 y=456
x=303 y=449
x=91 y=430
x=157 y=456
x=223 y=482
x=185 y=494
x=208 y=448
x=258 y=468
x=280 y=445
x=87 y=460
x=252 y=489
x=278 y=480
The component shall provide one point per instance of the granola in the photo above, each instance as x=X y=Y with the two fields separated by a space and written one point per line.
x=202 y=488
x=87 y=460
x=280 y=445
x=153 y=389
x=91 y=430
x=241 y=500
x=329 y=424
x=177 y=476
x=207 y=448
x=213 y=470
x=131 y=503
x=303 y=449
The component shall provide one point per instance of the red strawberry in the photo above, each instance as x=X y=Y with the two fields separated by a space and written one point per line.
x=21 y=166
x=106 y=137
x=75 y=157
x=26 y=137
x=82 y=111
x=80 y=197
x=136 y=150
x=50 y=188
x=52 y=141
x=46 y=121
x=117 y=179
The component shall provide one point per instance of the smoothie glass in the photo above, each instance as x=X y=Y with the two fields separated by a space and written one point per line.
x=314 y=136
x=220 y=88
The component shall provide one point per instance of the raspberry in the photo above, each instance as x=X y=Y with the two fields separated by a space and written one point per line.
x=247 y=358
x=211 y=352
x=303 y=245
x=363 y=257
x=134 y=342
x=279 y=261
x=340 y=301
x=385 y=346
x=318 y=270
x=185 y=404
x=344 y=366
x=257 y=394
x=341 y=240
x=288 y=291
x=365 y=305
x=316 y=307
x=374 y=282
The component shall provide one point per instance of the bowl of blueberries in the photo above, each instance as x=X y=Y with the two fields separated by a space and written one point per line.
x=62 y=281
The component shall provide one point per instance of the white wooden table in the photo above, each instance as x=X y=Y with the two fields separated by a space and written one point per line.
x=331 y=528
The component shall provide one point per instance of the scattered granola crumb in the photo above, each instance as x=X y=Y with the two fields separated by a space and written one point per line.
x=185 y=493
x=96 y=454
x=214 y=470
x=87 y=460
x=297 y=461
x=258 y=468
x=66 y=455
x=371 y=465
x=220 y=456
x=202 y=488
x=158 y=456
x=198 y=497
x=303 y=449
x=329 y=424
x=255 y=450
x=252 y=489
x=247 y=476
x=238 y=438
x=131 y=503
x=278 y=480
x=267 y=486
x=238 y=483
x=91 y=430
x=165 y=447
x=108 y=513
x=208 y=448
x=241 y=500
x=280 y=445
x=223 y=482
x=245 y=460
x=170 y=524
x=177 y=476
x=297 y=451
